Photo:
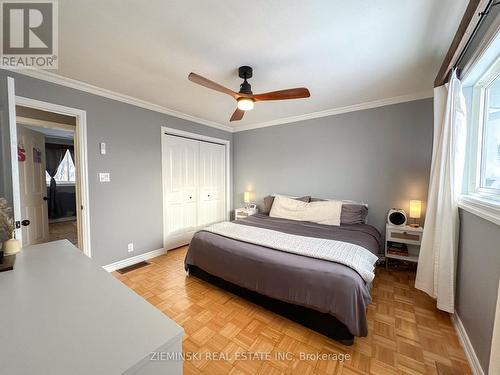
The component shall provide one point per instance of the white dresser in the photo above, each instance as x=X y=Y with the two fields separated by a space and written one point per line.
x=63 y=314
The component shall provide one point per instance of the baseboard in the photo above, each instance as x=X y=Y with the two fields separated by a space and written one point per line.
x=133 y=260
x=468 y=348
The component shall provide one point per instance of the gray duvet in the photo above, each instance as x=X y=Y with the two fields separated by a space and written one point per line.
x=321 y=285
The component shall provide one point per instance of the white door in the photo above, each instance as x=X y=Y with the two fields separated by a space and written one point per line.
x=180 y=189
x=33 y=187
x=212 y=200
x=10 y=107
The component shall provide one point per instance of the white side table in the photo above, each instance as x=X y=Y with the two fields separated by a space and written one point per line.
x=241 y=213
x=405 y=234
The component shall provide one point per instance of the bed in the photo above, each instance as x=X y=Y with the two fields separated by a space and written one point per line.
x=326 y=296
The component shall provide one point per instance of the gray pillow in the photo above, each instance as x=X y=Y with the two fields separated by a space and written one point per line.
x=317 y=200
x=352 y=213
x=269 y=200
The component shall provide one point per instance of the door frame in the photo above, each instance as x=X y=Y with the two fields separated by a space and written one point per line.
x=80 y=141
x=198 y=137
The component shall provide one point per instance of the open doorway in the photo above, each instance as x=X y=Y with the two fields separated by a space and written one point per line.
x=38 y=122
x=47 y=176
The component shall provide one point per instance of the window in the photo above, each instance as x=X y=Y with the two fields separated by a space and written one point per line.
x=490 y=148
x=481 y=86
x=65 y=172
x=484 y=137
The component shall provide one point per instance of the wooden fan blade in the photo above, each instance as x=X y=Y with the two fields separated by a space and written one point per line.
x=196 y=78
x=237 y=115
x=297 y=93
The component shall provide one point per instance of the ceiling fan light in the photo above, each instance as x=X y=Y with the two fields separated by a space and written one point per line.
x=245 y=104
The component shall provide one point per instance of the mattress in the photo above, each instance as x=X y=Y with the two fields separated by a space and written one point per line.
x=318 y=284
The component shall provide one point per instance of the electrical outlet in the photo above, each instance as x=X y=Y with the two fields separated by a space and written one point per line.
x=104 y=177
x=130 y=247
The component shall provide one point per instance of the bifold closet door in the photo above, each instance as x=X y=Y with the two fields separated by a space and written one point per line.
x=212 y=184
x=180 y=179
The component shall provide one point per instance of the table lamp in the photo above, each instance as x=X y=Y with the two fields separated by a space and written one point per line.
x=246 y=199
x=415 y=212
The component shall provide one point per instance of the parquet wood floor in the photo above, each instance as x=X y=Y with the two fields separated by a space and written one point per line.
x=407 y=334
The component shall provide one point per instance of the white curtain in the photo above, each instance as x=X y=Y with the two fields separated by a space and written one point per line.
x=437 y=260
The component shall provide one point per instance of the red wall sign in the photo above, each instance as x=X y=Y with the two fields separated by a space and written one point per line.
x=21 y=153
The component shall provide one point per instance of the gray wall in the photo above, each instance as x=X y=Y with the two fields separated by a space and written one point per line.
x=380 y=156
x=5 y=168
x=129 y=208
x=478 y=272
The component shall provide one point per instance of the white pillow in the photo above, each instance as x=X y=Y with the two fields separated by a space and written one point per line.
x=287 y=208
x=346 y=201
x=322 y=212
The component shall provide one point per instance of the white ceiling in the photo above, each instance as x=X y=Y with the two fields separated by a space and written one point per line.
x=345 y=52
x=52 y=133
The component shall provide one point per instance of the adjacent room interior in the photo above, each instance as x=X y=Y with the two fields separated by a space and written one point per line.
x=47 y=176
x=233 y=188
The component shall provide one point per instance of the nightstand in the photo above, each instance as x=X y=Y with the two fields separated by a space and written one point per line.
x=405 y=237
x=241 y=213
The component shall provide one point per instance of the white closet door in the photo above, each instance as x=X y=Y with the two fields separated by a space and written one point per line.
x=212 y=193
x=180 y=181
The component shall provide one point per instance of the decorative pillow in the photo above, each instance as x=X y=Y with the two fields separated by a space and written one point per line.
x=317 y=199
x=268 y=203
x=323 y=212
x=352 y=212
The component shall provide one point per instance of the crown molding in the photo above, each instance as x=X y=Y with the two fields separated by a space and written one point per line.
x=336 y=111
x=82 y=86
x=86 y=87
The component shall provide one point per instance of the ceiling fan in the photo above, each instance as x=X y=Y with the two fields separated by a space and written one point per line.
x=245 y=98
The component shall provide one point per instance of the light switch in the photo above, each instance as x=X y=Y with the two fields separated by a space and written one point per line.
x=104 y=177
x=103 y=148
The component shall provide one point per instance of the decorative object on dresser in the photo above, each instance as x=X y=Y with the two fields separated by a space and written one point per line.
x=11 y=247
x=402 y=242
x=415 y=212
x=241 y=213
x=397 y=217
x=7 y=229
